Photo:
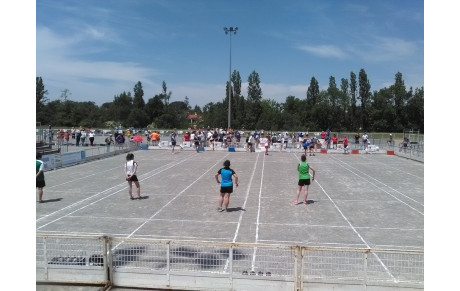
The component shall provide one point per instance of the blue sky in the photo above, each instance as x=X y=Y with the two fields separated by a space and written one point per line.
x=98 y=49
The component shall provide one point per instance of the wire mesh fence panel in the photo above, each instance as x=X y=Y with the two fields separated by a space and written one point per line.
x=264 y=261
x=140 y=262
x=396 y=267
x=81 y=251
x=333 y=265
x=139 y=255
x=198 y=257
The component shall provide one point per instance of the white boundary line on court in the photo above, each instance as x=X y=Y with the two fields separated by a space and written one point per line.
x=240 y=218
x=245 y=199
x=367 y=180
x=258 y=214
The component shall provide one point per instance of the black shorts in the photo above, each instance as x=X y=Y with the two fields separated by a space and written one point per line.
x=40 y=183
x=173 y=143
x=227 y=189
x=303 y=182
x=197 y=142
x=133 y=178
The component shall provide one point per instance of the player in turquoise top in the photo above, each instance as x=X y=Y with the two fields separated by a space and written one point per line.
x=304 y=178
x=226 y=185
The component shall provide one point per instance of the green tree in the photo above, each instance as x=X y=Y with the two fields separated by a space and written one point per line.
x=345 y=120
x=415 y=110
x=138 y=116
x=312 y=93
x=165 y=94
x=365 y=98
x=293 y=114
x=400 y=99
x=355 y=115
x=254 y=107
x=138 y=100
x=382 y=110
x=155 y=107
x=41 y=100
x=238 y=102
x=270 y=118
x=121 y=109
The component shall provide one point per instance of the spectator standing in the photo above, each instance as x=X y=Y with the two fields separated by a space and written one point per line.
x=196 y=142
x=40 y=176
x=78 y=136
x=304 y=179
x=306 y=145
x=334 y=141
x=267 y=144
x=91 y=137
x=83 y=137
x=173 y=140
x=120 y=139
x=108 y=142
x=390 y=140
x=357 y=140
x=365 y=137
x=67 y=136
x=237 y=138
x=226 y=185
x=345 y=144
x=250 y=143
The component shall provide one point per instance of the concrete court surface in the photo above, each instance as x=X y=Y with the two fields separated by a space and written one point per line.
x=365 y=200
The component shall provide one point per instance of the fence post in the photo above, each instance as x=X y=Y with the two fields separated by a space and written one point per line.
x=366 y=255
x=109 y=252
x=298 y=268
x=105 y=257
x=45 y=255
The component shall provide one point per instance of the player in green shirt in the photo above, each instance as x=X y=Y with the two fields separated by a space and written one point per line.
x=304 y=178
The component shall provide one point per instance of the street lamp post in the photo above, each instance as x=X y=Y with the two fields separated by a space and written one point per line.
x=229 y=31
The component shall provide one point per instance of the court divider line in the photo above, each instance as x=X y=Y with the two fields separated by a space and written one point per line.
x=240 y=218
x=258 y=214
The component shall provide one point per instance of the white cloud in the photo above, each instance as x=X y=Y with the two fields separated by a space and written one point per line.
x=325 y=51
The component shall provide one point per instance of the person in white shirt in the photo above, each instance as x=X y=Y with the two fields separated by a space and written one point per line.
x=83 y=137
x=91 y=137
x=131 y=176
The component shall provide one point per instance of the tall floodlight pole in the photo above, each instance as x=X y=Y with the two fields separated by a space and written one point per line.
x=229 y=31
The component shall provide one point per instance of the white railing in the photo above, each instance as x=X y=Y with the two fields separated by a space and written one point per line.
x=200 y=265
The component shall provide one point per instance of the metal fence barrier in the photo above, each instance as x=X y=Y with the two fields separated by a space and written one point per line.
x=190 y=265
